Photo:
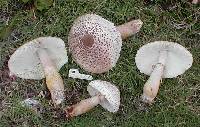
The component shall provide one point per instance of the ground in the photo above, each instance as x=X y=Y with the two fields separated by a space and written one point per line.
x=178 y=101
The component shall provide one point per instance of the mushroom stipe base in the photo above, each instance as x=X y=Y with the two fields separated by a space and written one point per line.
x=41 y=58
x=53 y=79
x=161 y=59
x=83 y=106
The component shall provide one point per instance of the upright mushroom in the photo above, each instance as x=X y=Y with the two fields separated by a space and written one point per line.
x=161 y=59
x=40 y=58
x=95 y=43
x=103 y=93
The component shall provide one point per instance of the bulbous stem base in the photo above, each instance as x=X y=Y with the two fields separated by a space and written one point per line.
x=151 y=87
x=53 y=79
x=83 y=106
x=130 y=28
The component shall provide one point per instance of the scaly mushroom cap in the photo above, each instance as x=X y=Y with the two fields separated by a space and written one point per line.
x=25 y=63
x=179 y=59
x=111 y=93
x=95 y=43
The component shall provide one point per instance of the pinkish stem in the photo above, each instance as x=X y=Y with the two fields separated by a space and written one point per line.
x=151 y=87
x=195 y=1
x=84 y=106
x=130 y=28
x=53 y=79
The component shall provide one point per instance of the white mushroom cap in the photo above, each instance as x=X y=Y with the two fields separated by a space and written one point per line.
x=110 y=91
x=95 y=43
x=25 y=62
x=179 y=59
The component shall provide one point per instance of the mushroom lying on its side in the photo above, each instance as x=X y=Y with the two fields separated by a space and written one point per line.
x=95 y=43
x=161 y=59
x=103 y=93
x=40 y=58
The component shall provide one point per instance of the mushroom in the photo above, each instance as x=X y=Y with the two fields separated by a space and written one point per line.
x=41 y=58
x=95 y=43
x=103 y=93
x=195 y=1
x=161 y=59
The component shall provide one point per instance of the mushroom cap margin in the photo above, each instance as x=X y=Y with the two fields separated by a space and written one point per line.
x=179 y=59
x=110 y=91
x=25 y=63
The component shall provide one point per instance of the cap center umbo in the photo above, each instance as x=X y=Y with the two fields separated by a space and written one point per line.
x=87 y=40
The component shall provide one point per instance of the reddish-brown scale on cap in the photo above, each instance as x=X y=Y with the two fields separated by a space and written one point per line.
x=95 y=43
x=87 y=40
x=90 y=47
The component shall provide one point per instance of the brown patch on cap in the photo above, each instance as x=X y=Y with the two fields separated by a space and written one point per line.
x=95 y=43
x=95 y=59
x=87 y=40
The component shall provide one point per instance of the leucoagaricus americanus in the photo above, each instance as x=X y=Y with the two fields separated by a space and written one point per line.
x=41 y=58
x=103 y=93
x=161 y=59
x=95 y=43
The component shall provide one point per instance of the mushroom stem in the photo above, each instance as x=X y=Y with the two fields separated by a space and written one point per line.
x=195 y=1
x=84 y=106
x=151 y=87
x=130 y=28
x=53 y=79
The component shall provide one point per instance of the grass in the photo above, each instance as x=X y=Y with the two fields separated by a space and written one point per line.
x=177 y=103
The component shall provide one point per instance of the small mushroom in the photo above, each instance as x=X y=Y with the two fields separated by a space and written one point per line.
x=103 y=93
x=40 y=58
x=95 y=43
x=161 y=59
